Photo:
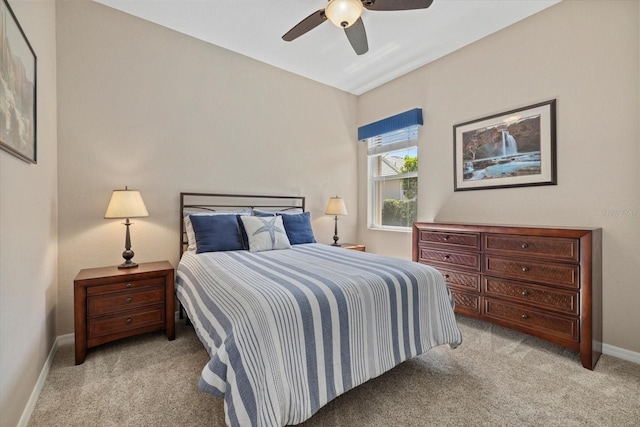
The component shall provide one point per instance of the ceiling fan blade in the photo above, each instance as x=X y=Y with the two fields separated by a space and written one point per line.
x=396 y=4
x=307 y=24
x=357 y=37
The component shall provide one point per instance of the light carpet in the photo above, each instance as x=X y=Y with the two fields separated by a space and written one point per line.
x=497 y=377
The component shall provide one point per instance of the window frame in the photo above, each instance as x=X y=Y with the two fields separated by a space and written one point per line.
x=400 y=140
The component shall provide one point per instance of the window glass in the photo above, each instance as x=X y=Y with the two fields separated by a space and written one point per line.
x=393 y=179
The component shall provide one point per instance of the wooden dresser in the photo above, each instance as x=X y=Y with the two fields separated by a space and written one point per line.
x=112 y=303
x=542 y=281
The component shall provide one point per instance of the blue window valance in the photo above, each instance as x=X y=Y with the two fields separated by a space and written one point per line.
x=390 y=124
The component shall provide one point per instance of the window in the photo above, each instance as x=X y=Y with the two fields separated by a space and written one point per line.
x=392 y=151
x=393 y=178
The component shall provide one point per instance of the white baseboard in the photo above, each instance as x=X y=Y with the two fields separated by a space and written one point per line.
x=621 y=353
x=28 y=410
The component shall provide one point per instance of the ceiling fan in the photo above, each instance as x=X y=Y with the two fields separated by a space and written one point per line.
x=346 y=14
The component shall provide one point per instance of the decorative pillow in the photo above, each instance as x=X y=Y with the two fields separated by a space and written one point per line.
x=298 y=228
x=275 y=211
x=243 y=233
x=265 y=233
x=216 y=233
x=188 y=228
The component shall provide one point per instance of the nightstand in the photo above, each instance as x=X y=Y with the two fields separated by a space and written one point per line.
x=112 y=303
x=353 y=246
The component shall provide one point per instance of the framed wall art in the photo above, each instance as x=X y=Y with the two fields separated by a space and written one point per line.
x=17 y=88
x=512 y=149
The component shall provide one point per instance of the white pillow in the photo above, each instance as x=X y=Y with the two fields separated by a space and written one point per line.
x=265 y=233
x=188 y=228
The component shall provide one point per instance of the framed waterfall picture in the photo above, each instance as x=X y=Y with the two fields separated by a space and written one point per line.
x=512 y=149
x=17 y=88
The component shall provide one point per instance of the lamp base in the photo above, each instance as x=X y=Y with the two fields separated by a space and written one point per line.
x=336 y=244
x=128 y=253
x=128 y=264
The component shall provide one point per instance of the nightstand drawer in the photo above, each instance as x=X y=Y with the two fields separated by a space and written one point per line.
x=124 y=285
x=113 y=302
x=124 y=322
x=553 y=274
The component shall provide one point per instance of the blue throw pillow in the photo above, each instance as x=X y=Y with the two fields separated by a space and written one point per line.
x=216 y=233
x=298 y=228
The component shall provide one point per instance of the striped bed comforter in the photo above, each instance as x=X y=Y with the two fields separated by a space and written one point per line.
x=289 y=330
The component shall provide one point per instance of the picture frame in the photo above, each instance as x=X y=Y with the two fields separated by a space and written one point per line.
x=17 y=88
x=516 y=148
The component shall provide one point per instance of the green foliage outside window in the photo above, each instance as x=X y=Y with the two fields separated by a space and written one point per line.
x=403 y=213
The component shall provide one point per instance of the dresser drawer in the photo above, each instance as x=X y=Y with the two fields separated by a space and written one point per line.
x=468 y=281
x=126 y=321
x=542 y=296
x=118 y=301
x=554 y=274
x=124 y=285
x=453 y=239
x=467 y=260
x=466 y=303
x=563 y=327
x=554 y=248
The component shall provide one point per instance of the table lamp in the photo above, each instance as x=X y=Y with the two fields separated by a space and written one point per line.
x=126 y=204
x=336 y=207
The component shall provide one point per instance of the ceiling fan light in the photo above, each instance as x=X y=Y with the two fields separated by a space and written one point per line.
x=343 y=13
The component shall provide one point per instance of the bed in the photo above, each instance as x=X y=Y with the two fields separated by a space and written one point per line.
x=289 y=330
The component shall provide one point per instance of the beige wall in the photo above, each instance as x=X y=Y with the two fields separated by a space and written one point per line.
x=29 y=231
x=143 y=106
x=584 y=54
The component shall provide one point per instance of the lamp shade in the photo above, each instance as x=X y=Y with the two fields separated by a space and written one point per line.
x=336 y=207
x=343 y=13
x=126 y=204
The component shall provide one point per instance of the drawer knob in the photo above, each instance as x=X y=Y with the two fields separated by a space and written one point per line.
x=445 y=238
x=446 y=257
x=525 y=245
x=525 y=269
x=525 y=293
x=446 y=276
x=524 y=316
x=129 y=300
x=129 y=320
x=128 y=285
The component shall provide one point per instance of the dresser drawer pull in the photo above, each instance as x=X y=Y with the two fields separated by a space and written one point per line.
x=129 y=320
x=128 y=285
x=446 y=257
x=525 y=293
x=446 y=276
x=524 y=316
x=525 y=269
x=445 y=238
x=525 y=245
x=129 y=300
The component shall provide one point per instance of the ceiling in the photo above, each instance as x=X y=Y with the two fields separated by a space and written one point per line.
x=399 y=41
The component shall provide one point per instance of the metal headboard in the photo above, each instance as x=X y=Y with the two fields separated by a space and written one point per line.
x=211 y=202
